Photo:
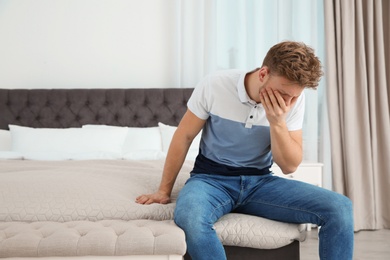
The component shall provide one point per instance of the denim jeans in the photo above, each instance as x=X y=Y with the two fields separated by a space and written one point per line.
x=205 y=198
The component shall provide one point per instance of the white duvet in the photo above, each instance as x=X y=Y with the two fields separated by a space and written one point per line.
x=93 y=190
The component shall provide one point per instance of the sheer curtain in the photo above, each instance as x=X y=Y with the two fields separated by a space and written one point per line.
x=222 y=34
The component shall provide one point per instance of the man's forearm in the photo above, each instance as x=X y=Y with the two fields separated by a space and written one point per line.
x=173 y=163
x=286 y=152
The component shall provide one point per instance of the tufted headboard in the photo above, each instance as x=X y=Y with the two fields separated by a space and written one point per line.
x=62 y=108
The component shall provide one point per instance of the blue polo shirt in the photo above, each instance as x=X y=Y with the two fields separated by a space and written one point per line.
x=236 y=137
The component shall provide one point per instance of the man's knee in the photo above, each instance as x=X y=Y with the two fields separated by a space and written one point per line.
x=343 y=211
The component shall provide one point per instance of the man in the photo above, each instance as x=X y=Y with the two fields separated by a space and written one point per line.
x=249 y=121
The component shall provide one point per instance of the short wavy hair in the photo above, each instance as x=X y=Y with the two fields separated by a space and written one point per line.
x=295 y=61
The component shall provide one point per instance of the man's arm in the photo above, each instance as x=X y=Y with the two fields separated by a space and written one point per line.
x=286 y=146
x=189 y=127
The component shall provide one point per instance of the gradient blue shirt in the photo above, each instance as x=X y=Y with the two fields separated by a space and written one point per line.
x=236 y=137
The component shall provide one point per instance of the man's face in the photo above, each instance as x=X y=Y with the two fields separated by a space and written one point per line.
x=289 y=91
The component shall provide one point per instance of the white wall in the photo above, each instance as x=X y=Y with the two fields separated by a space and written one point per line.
x=86 y=43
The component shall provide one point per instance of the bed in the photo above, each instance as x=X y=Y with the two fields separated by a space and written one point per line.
x=72 y=162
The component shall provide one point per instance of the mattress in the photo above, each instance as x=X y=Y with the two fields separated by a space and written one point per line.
x=73 y=208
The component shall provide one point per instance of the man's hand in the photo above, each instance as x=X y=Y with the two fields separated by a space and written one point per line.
x=286 y=146
x=276 y=107
x=157 y=197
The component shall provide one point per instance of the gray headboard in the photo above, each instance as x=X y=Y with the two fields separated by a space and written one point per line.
x=62 y=108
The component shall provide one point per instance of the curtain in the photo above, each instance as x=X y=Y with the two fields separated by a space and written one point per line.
x=358 y=78
x=223 y=34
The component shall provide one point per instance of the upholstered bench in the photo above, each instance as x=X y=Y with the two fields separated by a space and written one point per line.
x=83 y=238
x=136 y=237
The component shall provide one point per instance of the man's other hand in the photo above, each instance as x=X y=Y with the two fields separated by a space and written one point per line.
x=153 y=198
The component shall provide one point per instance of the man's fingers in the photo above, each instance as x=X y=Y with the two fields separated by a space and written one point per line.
x=265 y=100
x=149 y=199
x=144 y=199
x=280 y=100
x=272 y=97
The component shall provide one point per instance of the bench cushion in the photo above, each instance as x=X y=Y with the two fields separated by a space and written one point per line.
x=82 y=238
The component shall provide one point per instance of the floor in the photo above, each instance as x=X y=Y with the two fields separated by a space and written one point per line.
x=369 y=245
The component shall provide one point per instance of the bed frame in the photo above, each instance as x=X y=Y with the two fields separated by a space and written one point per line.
x=62 y=108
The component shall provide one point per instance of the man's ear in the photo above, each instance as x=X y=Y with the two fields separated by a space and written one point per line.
x=263 y=73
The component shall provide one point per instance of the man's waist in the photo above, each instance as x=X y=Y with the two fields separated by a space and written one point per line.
x=205 y=165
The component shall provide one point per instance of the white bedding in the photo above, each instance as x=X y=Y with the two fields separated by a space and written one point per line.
x=82 y=190
x=90 y=142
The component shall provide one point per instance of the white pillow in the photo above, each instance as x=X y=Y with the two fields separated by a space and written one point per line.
x=61 y=156
x=167 y=132
x=5 y=140
x=62 y=142
x=138 y=139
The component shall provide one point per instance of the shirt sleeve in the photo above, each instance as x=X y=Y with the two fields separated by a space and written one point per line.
x=199 y=102
x=295 y=117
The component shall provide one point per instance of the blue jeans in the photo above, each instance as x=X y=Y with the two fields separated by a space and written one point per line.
x=205 y=198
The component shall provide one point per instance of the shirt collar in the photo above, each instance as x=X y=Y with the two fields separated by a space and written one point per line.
x=242 y=94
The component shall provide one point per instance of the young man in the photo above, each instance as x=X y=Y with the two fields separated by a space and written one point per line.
x=250 y=120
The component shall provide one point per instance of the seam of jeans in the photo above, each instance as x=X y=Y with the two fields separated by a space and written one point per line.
x=219 y=206
x=242 y=190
